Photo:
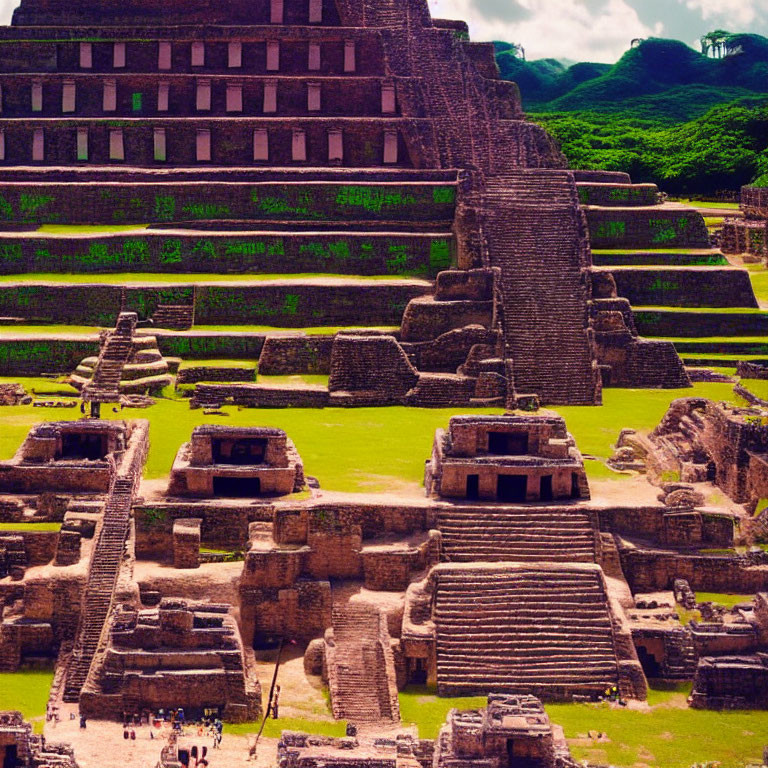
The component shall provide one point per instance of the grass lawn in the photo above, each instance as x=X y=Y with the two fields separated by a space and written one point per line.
x=758 y=387
x=11 y=331
x=723 y=599
x=30 y=527
x=26 y=691
x=758 y=274
x=367 y=449
x=703 y=310
x=704 y=204
x=87 y=229
x=669 y=735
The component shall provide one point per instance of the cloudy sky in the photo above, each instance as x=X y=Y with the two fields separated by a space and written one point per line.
x=586 y=30
x=599 y=30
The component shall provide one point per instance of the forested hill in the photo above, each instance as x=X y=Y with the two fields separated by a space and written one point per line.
x=663 y=112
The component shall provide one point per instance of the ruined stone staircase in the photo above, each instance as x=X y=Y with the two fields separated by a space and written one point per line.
x=102 y=577
x=525 y=629
x=361 y=669
x=525 y=534
x=536 y=235
x=177 y=317
x=115 y=352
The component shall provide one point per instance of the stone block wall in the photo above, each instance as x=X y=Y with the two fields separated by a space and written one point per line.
x=186 y=542
x=685 y=288
x=143 y=203
x=646 y=228
x=609 y=193
x=369 y=254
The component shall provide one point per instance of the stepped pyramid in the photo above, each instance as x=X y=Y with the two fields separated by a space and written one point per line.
x=353 y=137
x=127 y=364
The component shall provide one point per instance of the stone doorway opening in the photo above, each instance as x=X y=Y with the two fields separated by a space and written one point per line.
x=512 y=488
x=473 y=487
x=83 y=445
x=237 y=487
x=508 y=443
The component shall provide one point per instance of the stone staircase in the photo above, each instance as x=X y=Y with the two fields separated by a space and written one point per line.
x=115 y=352
x=361 y=668
x=102 y=577
x=530 y=534
x=681 y=655
x=543 y=630
x=536 y=234
x=176 y=317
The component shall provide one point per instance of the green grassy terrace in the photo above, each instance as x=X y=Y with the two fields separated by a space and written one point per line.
x=30 y=527
x=364 y=449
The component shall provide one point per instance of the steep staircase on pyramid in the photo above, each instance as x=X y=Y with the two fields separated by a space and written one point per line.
x=361 y=668
x=536 y=234
x=106 y=559
x=520 y=534
x=541 y=629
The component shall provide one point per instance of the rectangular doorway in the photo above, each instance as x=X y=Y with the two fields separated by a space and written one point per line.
x=236 y=487
x=473 y=487
x=508 y=444
x=545 y=494
x=512 y=488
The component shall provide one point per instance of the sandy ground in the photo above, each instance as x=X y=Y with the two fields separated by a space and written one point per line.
x=101 y=745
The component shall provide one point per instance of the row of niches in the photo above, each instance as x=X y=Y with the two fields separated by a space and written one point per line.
x=187 y=95
x=147 y=145
x=333 y=56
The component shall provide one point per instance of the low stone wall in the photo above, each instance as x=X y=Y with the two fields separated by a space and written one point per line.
x=754 y=201
x=646 y=228
x=672 y=324
x=296 y=354
x=716 y=530
x=28 y=357
x=192 y=375
x=602 y=177
x=225 y=527
x=198 y=345
x=685 y=287
x=282 y=304
x=612 y=193
x=654 y=570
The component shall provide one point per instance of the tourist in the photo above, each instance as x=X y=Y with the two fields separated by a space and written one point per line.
x=276 y=702
x=82 y=721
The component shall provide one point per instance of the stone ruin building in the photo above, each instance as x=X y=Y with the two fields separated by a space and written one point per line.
x=748 y=234
x=703 y=443
x=360 y=139
x=19 y=748
x=506 y=458
x=511 y=732
x=66 y=456
x=236 y=461
x=179 y=654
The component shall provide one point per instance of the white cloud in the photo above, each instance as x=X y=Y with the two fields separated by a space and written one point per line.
x=737 y=14
x=572 y=29
x=6 y=10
